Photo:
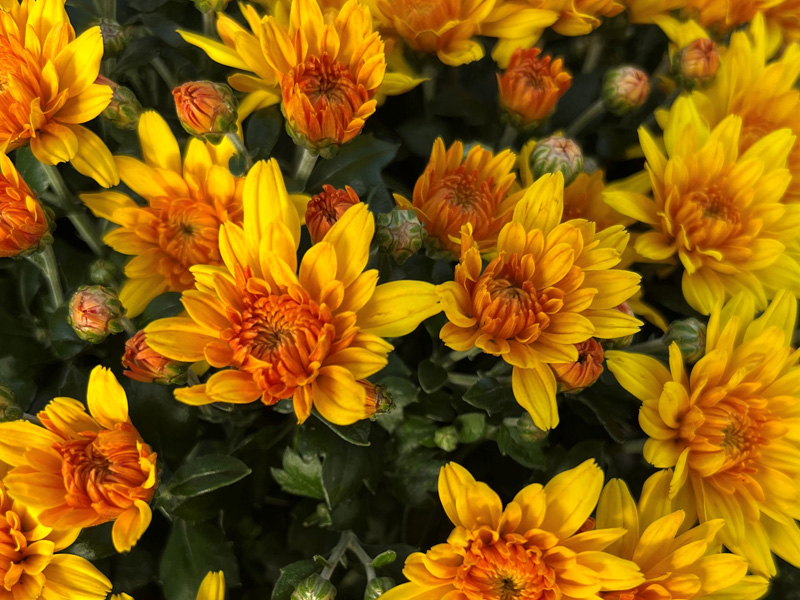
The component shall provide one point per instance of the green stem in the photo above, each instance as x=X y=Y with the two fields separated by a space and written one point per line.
x=240 y=149
x=589 y=115
x=593 y=53
x=161 y=68
x=648 y=347
x=508 y=137
x=336 y=555
x=209 y=24
x=633 y=446
x=456 y=355
x=86 y=230
x=111 y=9
x=362 y=556
x=128 y=326
x=304 y=167
x=45 y=259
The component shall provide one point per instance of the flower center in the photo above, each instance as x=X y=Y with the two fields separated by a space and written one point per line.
x=464 y=190
x=715 y=204
x=327 y=82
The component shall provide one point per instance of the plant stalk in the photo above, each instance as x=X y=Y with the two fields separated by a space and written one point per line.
x=45 y=259
x=648 y=347
x=589 y=115
x=161 y=68
x=240 y=149
x=304 y=167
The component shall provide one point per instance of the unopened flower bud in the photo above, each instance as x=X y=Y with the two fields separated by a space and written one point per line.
x=124 y=109
x=625 y=89
x=378 y=587
x=24 y=224
x=588 y=525
x=573 y=377
x=620 y=342
x=528 y=430
x=95 y=312
x=206 y=6
x=103 y=272
x=9 y=409
x=554 y=154
x=690 y=335
x=327 y=207
x=115 y=36
x=697 y=64
x=400 y=233
x=206 y=109
x=446 y=438
x=379 y=400
x=314 y=588
x=145 y=364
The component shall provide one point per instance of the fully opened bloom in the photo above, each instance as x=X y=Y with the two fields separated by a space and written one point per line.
x=532 y=548
x=551 y=286
x=79 y=469
x=186 y=202
x=23 y=224
x=30 y=566
x=729 y=428
x=717 y=210
x=283 y=331
x=678 y=561
x=455 y=190
x=47 y=88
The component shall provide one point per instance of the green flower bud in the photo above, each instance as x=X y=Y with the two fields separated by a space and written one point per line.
x=206 y=109
x=124 y=109
x=446 y=438
x=205 y=6
x=9 y=409
x=115 y=37
x=314 y=588
x=95 y=312
x=554 y=154
x=625 y=89
x=103 y=272
x=378 y=587
x=400 y=233
x=690 y=335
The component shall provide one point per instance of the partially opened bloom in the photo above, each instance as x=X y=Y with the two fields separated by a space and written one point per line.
x=580 y=374
x=551 y=286
x=717 y=210
x=178 y=227
x=729 y=428
x=533 y=548
x=280 y=330
x=23 y=223
x=455 y=190
x=47 y=88
x=206 y=109
x=678 y=561
x=31 y=566
x=327 y=207
x=79 y=469
x=142 y=363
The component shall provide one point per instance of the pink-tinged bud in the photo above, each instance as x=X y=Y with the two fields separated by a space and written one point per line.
x=697 y=64
x=206 y=109
x=327 y=207
x=625 y=89
x=573 y=377
x=95 y=312
x=145 y=364
x=555 y=154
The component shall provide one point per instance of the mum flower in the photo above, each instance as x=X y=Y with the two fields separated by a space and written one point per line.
x=47 y=88
x=178 y=228
x=718 y=211
x=281 y=332
x=455 y=190
x=729 y=427
x=534 y=548
x=80 y=470
x=23 y=224
x=30 y=567
x=678 y=561
x=551 y=286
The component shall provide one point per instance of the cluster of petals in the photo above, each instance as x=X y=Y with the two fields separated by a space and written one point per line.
x=23 y=224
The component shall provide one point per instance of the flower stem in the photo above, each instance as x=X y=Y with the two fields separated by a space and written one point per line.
x=161 y=68
x=589 y=115
x=508 y=137
x=363 y=557
x=336 y=554
x=649 y=347
x=304 y=167
x=85 y=228
x=45 y=259
x=128 y=326
x=593 y=53
x=240 y=149
x=209 y=23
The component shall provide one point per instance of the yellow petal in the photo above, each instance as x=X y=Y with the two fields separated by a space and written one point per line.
x=535 y=391
x=350 y=237
x=641 y=375
x=106 y=399
x=85 y=106
x=159 y=146
x=75 y=577
x=398 y=307
x=338 y=396
x=571 y=498
x=136 y=294
x=93 y=158
x=217 y=52
x=213 y=586
x=265 y=201
x=616 y=508
x=130 y=526
x=235 y=387
x=79 y=62
x=17 y=437
x=178 y=338
x=468 y=503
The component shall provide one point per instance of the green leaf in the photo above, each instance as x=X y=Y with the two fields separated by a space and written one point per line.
x=491 y=395
x=512 y=442
x=204 y=474
x=471 y=427
x=93 y=543
x=161 y=307
x=32 y=171
x=384 y=558
x=300 y=476
x=291 y=575
x=358 y=164
x=431 y=376
x=192 y=550
x=356 y=434
x=263 y=130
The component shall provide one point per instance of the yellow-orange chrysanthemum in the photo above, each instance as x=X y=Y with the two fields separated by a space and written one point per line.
x=535 y=547
x=729 y=428
x=454 y=190
x=717 y=210
x=47 y=88
x=678 y=561
x=307 y=332
x=551 y=286
x=77 y=469
x=179 y=227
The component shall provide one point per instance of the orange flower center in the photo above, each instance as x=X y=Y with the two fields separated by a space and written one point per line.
x=507 y=569
x=101 y=470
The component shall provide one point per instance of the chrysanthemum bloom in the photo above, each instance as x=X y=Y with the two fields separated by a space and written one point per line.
x=145 y=364
x=212 y=588
x=718 y=210
x=281 y=332
x=206 y=109
x=178 y=228
x=531 y=86
x=79 y=470
x=762 y=92
x=23 y=224
x=551 y=286
x=327 y=207
x=721 y=16
x=30 y=567
x=729 y=427
x=575 y=376
x=47 y=88
x=534 y=548
x=455 y=190
x=678 y=562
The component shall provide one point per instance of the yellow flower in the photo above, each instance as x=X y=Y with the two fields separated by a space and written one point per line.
x=79 y=470
x=47 y=88
x=718 y=210
x=729 y=428
x=454 y=190
x=646 y=11
x=186 y=203
x=534 y=548
x=679 y=562
x=30 y=567
x=551 y=286
x=212 y=588
x=279 y=332
x=23 y=223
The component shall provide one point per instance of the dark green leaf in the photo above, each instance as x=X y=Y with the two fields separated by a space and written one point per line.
x=357 y=433
x=431 y=376
x=512 y=443
x=384 y=558
x=358 y=164
x=204 y=474
x=300 y=476
x=32 y=171
x=263 y=130
x=491 y=395
x=93 y=543
x=291 y=575
x=471 y=427
x=161 y=307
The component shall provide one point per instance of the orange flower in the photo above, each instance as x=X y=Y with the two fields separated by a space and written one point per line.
x=206 y=109
x=80 y=470
x=324 y=209
x=455 y=190
x=531 y=86
x=23 y=225
x=145 y=364
x=575 y=376
x=329 y=72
